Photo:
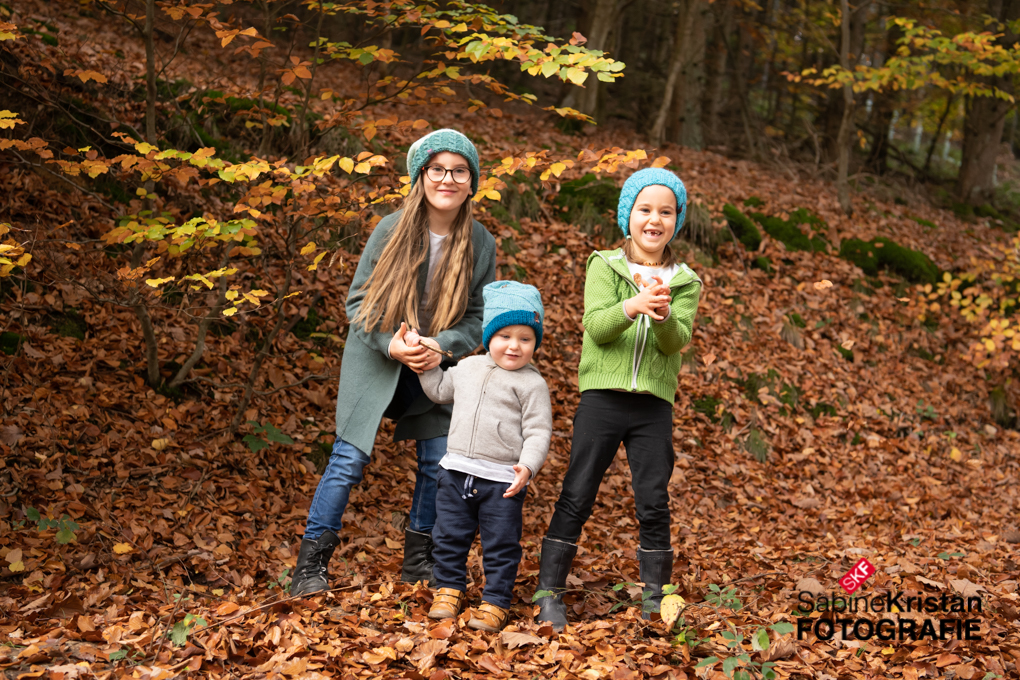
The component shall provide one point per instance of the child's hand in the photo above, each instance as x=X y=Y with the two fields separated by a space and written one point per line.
x=521 y=476
x=411 y=338
x=413 y=357
x=433 y=358
x=653 y=301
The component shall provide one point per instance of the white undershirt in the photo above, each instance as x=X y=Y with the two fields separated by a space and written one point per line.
x=664 y=273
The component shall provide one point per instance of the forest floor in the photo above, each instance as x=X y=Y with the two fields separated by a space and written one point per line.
x=183 y=536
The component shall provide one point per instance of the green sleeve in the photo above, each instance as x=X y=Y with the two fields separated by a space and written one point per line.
x=673 y=334
x=603 y=319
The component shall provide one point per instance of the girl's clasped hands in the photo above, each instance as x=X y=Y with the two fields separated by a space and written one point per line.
x=653 y=299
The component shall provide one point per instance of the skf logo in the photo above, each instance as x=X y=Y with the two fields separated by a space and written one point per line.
x=858 y=574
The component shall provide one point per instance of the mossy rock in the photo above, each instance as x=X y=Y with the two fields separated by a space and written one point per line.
x=9 y=343
x=789 y=232
x=743 y=228
x=589 y=202
x=883 y=253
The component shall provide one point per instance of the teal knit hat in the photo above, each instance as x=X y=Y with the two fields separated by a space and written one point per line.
x=437 y=142
x=647 y=177
x=509 y=303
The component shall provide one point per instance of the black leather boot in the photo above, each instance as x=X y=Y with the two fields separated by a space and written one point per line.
x=557 y=557
x=418 y=560
x=656 y=571
x=311 y=571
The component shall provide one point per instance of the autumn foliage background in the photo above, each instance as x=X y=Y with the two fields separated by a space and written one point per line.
x=185 y=199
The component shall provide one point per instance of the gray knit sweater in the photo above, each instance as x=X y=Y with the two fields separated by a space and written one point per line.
x=498 y=415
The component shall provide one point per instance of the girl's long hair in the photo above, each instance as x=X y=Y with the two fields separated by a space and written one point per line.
x=391 y=292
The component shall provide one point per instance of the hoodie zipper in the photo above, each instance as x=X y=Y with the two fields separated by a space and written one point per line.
x=478 y=408
x=639 y=337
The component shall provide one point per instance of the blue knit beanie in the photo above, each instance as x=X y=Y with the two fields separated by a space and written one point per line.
x=647 y=177
x=437 y=142
x=509 y=303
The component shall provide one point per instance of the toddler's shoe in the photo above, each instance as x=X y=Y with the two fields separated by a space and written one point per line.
x=489 y=617
x=446 y=603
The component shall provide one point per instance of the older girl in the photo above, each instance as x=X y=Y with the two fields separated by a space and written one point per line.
x=423 y=268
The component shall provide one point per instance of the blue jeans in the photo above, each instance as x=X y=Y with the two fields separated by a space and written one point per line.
x=480 y=507
x=345 y=470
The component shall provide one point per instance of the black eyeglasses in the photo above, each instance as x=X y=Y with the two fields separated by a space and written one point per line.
x=437 y=173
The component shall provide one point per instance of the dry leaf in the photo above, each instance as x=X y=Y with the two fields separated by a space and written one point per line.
x=513 y=639
x=227 y=608
x=823 y=284
x=122 y=548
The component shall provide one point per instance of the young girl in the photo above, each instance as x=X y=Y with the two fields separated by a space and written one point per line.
x=423 y=268
x=639 y=307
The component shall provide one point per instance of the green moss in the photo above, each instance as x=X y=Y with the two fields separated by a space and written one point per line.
x=763 y=263
x=707 y=406
x=883 y=253
x=9 y=342
x=822 y=409
x=987 y=210
x=963 y=209
x=789 y=232
x=304 y=328
x=743 y=228
x=68 y=324
x=797 y=320
x=588 y=202
x=754 y=202
x=925 y=223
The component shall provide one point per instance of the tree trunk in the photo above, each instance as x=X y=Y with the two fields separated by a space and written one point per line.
x=843 y=140
x=686 y=65
x=986 y=119
x=686 y=128
x=150 y=73
x=604 y=17
x=720 y=40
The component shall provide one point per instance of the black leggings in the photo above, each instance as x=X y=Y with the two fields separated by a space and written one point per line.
x=604 y=419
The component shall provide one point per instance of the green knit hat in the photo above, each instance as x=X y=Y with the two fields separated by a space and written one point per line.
x=437 y=142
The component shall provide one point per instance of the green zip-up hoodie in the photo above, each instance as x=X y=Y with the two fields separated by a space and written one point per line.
x=640 y=355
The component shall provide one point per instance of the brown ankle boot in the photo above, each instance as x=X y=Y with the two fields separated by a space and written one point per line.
x=489 y=617
x=446 y=603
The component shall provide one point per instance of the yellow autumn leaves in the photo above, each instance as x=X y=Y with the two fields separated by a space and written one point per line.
x=12 y=253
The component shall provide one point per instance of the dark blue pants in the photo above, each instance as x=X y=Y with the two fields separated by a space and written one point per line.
x=499 y=521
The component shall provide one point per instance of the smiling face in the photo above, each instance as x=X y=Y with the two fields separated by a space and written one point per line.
x=446 y=197
x=652 y=222
x=512 y=347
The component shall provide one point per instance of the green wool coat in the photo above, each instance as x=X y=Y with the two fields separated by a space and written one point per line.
x=640 y=355
x=368 y=378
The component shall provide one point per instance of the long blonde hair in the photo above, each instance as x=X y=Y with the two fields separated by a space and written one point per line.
x=391 y=292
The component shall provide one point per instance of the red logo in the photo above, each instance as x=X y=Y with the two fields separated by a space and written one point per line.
x=858 y=574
